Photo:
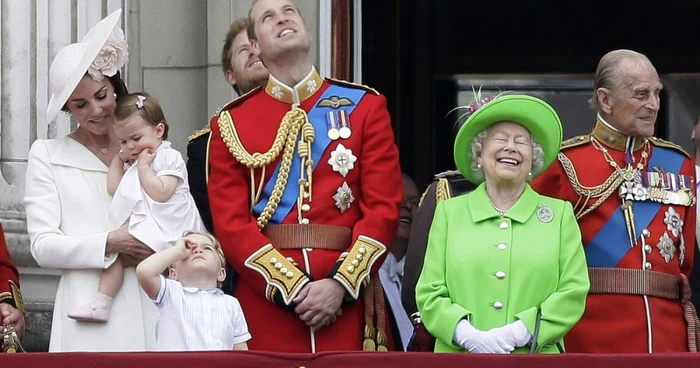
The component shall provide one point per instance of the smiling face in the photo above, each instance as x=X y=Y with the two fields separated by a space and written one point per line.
x=247 y=71
x=506 y=154
x=92 y=104
x=279 y=29
x=632 y=108
x=409 y=204
x=204 y=263
x=136 y=134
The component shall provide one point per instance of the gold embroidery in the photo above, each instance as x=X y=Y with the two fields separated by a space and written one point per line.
x=17 y=296
x=199 y=133
x=278 y=271
x=443 y=191
x=575 y=141
x=354 y=269
x=662 y=143
x=295 y=122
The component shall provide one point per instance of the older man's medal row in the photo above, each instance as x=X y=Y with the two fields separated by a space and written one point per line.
x=658 y=186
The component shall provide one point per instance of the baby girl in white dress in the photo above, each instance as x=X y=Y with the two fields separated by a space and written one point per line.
x=148 y=181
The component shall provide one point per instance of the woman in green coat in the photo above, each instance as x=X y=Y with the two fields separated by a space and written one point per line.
x=505 y=269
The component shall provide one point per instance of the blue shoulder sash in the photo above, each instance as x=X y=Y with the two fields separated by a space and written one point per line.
x=611 y=243
x=317 y=117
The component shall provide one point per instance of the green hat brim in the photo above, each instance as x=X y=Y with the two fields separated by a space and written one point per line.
x=535 y=115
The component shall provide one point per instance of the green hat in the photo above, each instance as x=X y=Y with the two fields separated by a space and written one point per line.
x=535 y=115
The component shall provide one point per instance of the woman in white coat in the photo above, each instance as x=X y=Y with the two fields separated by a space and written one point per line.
x=67 y=203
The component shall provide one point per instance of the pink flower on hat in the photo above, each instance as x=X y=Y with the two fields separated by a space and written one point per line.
x=111 y=57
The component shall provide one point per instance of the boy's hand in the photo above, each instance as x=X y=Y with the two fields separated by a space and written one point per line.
x=146 y=157
x=185 y=246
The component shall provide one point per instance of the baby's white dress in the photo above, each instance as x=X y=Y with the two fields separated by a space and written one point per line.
x=158 y=225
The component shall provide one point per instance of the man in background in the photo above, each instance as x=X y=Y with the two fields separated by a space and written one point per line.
x=244 y=72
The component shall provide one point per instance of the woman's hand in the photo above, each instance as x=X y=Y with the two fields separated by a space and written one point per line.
x=515 y=334
x=131 y=250
x=477 y=341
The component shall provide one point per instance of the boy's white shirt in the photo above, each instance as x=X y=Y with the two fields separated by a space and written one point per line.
x=195 y=319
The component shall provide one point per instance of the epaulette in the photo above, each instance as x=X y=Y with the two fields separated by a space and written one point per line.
x=351 y=84
x=575 y=141
x=663 y=143
x=447 y=174
x=238 y=100
x=199 y=133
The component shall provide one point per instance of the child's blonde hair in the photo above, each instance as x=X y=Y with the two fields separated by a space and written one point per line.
x=215 y=243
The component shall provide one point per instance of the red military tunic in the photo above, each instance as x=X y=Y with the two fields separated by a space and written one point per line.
x=265 y=291
x=9 y=277
x=626 y=323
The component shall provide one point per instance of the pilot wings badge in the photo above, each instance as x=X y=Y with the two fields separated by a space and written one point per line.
x=335 y=102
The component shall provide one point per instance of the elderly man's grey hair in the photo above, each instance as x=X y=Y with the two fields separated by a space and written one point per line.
x=477 y=147
x=609 y=73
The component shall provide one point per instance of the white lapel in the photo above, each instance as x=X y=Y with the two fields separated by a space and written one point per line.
x=67 y=151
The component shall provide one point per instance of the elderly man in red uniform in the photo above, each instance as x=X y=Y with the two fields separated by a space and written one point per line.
x=11 y=307
x=305 y=191
x=634 y=197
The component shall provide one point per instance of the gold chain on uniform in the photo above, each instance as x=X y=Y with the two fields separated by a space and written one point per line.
x=603 y=191
x=294 y=121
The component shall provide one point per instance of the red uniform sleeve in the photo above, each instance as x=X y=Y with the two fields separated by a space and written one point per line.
x=237 y=229
x=9 y=277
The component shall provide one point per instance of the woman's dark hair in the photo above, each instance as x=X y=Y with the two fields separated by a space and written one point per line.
x=119 y=85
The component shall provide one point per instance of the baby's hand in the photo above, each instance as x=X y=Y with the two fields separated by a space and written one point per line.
x=146 y=157
x=124 y=157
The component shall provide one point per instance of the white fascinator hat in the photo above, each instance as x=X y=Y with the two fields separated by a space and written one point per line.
x=101 y=53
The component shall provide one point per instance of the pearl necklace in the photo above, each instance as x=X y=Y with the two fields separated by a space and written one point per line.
x=500 y=211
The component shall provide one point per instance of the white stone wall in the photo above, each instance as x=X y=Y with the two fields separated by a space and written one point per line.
x=174 y=54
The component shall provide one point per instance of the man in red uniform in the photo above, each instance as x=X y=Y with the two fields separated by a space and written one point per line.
x=305 y=191
x=11 y=307
x=634 y=197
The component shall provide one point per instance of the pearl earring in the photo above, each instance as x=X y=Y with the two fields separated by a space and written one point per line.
x=529 y=174
x=115 y=96
x=478 y=166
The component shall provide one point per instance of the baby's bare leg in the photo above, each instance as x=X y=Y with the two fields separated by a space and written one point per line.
x=112 y=279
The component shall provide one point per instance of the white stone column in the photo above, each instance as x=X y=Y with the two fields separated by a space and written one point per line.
x=31 y=33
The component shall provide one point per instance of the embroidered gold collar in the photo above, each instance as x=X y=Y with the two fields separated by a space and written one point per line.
x=294 y=95
x=612 y=138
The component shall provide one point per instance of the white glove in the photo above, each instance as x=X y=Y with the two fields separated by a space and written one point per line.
x=476 y=341
x=514 y=334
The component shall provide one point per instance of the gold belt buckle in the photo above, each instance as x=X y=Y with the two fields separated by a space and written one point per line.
x=10 y=341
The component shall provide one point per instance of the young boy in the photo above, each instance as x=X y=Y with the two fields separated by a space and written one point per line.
x=193 y=313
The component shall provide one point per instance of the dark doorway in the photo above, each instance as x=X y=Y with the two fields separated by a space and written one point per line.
x=415 y=51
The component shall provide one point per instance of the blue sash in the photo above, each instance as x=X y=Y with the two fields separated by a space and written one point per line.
x=317 y=117
x=611 y=243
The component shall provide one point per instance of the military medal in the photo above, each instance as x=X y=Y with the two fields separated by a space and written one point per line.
x=342 y=160
x=331 y=123
x=344 y=121
x=544 y=214
x=343 y=197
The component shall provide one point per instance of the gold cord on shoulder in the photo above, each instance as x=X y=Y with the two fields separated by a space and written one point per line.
x=294 y=122
x=599 y=192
